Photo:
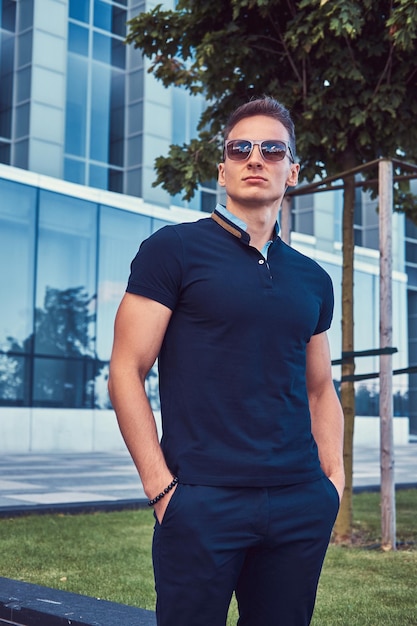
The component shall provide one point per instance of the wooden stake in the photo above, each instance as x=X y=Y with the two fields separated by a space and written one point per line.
x=388 y=519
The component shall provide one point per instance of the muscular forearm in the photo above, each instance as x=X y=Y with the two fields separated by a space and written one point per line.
x=138 y=428
x=327 y=428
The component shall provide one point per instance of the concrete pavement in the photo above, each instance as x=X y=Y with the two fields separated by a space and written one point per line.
x=67 y=481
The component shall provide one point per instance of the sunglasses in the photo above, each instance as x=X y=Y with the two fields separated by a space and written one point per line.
x=271 y=149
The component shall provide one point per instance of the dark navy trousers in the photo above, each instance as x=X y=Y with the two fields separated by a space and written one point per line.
x=266 y=544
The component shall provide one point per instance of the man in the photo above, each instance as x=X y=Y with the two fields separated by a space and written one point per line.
x=246 y=482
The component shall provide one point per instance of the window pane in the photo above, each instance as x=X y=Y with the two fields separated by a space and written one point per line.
x=135 y=85
x=117 y=117
x=74 y=171
x=65 y=298
x=22 y=120
x=118 y=53
x=102 y=48
x=102 y=15
x=98 y=177
x=80 y=10
x=4 y=152
x=14 y=379
x=21 y=154
x=410 y=229
x=17 y=245
x=24 y=78
x=100 y=114
x=110 y=18
x=134 y=150
x=77 y=39
x=135 y=118
x=121 y=234
x=63 y=383
x=411 y=251
x=25 y=48
x=134 y=182
x=6 y=82
x=116 y=181
x=8 y=15
x=76 y=110
x=412 y=276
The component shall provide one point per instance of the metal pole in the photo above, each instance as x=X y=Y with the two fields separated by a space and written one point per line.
x=388 y=522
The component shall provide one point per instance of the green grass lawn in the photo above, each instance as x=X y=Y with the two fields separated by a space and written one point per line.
x=107 y=555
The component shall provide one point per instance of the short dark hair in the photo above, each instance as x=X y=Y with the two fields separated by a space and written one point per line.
x=263 y=106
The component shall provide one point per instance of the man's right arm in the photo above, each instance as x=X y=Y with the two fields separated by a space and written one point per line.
x=140 y=327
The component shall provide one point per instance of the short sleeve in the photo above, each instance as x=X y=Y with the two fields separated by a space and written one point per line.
x=156 y=270
x=327 y=306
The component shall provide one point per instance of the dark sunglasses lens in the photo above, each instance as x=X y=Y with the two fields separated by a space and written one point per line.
x=238 y=150
x=273 y=150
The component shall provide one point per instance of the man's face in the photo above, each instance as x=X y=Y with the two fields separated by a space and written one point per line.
x=256 y=181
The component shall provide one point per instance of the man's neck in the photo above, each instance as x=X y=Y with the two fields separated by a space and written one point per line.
x=260 y=222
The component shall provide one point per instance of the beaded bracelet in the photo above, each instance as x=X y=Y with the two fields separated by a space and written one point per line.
x=164 y=492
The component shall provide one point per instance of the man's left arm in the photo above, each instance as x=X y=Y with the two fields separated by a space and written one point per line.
x=326 y=411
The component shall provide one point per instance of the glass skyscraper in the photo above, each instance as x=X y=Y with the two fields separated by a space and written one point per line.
x=77 y=104
x=81 y=123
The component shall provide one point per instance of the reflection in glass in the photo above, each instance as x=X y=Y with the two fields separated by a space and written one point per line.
x=66 y=260
x=6 y=82
x=74 y=171
x=102 y=48
x=17 y=232
x=8 y=15
x=121 y=234
x=79 y=10
x=17 y=228
x=62 y=325
x=98 y=176
x=5 y=152
x=77 y=39
x=76 y=109
x=24 y=84
x=64 y=345
x=110 y=18
x=63 y=383
x=117 y=117
x=109 y=50
x=107 y=116
x=100 y=114
x=116 y=180
x=13 y=379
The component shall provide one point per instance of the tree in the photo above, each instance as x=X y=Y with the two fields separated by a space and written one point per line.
x=63 y=338
x=347 y=72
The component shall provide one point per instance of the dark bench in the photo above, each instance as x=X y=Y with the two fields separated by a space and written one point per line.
x=23 y=604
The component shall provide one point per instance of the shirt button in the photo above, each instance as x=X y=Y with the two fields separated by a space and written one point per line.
x=261 y=261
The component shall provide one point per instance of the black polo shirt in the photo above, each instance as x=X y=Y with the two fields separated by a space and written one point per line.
x=232 y=365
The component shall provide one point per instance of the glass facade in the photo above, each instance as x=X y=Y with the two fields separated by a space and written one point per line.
x=96 y=94
x=7 y=39
x=67 y=263
x=411 y=262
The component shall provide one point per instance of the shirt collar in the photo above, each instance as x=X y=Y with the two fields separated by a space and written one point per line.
x=241 y=227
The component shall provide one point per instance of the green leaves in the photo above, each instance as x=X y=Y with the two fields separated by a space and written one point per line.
x=187 y=166
x=402 y=24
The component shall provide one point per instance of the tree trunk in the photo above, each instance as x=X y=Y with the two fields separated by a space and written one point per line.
x=343 y=526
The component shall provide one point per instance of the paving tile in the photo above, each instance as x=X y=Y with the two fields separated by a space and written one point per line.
x=61 y=497
x=57 y=479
